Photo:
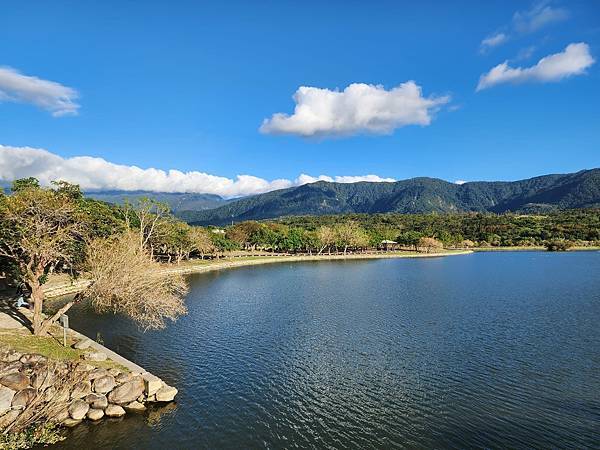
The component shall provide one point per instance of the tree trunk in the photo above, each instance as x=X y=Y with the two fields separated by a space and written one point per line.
x=46 y=324
x=37 y=298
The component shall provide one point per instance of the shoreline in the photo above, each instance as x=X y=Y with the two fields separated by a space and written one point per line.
x=68 y=286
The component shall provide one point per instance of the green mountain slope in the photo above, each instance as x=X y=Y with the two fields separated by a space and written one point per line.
x=417 y=195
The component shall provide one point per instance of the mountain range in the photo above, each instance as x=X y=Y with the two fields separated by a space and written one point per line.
x=416 y=195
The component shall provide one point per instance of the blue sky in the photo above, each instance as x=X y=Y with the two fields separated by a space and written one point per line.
x=187 y=85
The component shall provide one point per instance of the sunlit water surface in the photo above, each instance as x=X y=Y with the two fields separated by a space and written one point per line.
x=496 y=350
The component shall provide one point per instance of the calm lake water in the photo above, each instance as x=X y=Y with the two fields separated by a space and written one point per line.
x=489 y=350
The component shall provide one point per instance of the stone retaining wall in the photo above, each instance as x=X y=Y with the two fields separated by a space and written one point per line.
x=68 y=392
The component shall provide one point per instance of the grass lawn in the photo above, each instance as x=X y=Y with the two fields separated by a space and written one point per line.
x=49 y=346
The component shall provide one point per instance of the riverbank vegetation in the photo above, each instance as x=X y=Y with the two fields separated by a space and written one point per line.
x=120 y=247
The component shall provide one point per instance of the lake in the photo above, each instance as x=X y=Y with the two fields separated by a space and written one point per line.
x=495 y=350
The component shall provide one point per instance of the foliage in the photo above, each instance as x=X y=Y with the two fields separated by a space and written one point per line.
x=44 y=434
x=126 y=280
x=415 y=196
x=558 y=245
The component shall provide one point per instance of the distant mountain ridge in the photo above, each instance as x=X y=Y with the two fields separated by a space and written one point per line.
x=416 y=195
x=177 y=201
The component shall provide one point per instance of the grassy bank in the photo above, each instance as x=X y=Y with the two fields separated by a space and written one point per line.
x=60 y=285
x=49 y=346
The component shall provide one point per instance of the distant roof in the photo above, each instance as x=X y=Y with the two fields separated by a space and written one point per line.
x=388 y=242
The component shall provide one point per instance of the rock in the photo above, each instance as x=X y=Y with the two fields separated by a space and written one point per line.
x=151 y=398
x=50 y=393
x=9 y=418
x=78 y=409
x=43 y=379
x=62 y=414
x=166 y=394
x=123 y=377
x=15 y=381
x=70 y=423
x=151 y=384
x=95 y=414
x=84 y=367
x=135 y=407
x=10 y=356
x=32 y=358
x=12 y=367
x=114 y=411
x=83 y=344
x=95 y=356
x=127 y=392
x=105 y=384
x=6 y=398
x=97 y=373
x=81 y=389
x=114 y=372
x=23 y=398
x=97 y=401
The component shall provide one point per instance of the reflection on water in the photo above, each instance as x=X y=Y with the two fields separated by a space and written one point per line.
x=483 y=350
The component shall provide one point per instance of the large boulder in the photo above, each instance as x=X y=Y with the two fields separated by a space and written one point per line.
x=11 y=367
x=95 y=414
x=123 y=377
x=114 y=411
x=152 y=384
x=6 y=398
x=95 y=356
x=43 y=379
x=10 y=356
x=9 y=418
x=97 y=401
x=81 y=389
x=78 y=409
x=33 y=358
x=97 y=373
x=15 y=381
x=23 y=398
x=83 y=344
x=127 y=392
x=166 y=394
x=105 y=384
x=135 y=407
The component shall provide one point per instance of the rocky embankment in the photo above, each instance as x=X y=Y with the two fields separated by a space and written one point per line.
x=35 y=389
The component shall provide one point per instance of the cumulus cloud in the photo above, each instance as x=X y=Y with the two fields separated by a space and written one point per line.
x=97 y=174
x=59 y=100
x=574 y=60
x=360 y=108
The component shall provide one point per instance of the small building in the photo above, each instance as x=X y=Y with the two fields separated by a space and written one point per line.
x=388 y=245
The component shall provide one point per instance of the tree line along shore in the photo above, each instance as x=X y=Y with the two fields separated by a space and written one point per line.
x=47 y=230
x=132 y=257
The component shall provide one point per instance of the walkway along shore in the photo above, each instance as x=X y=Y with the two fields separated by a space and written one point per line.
x=68 y=286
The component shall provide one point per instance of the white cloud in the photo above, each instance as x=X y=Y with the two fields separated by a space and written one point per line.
x=360 y=108
x=460 y=182
x=539 y=16
x=493 y=41
x=95 y=174
x=574 y=60
x=49 y=95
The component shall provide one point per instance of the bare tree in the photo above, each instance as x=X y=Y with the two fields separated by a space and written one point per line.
x=126 y=280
